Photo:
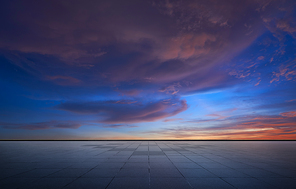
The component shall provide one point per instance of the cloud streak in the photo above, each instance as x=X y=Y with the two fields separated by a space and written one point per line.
x=114 y=112
x=277 y=127
x=42 y=125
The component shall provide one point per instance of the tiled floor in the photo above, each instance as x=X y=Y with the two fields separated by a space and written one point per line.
x=147 y=164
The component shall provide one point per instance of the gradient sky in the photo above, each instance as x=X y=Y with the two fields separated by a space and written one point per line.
x=113 y=69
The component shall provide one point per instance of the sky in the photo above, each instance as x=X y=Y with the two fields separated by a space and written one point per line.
x=165 y=69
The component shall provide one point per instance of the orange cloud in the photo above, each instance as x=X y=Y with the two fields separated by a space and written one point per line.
x=289 y=114
x=281 y=127
x=186 y=46
x=287 y=72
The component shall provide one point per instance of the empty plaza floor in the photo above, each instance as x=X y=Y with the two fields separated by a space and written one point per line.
x=147 y=164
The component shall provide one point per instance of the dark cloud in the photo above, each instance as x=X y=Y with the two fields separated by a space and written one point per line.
x=42 y=125
x=103 y=43
x=117 y=112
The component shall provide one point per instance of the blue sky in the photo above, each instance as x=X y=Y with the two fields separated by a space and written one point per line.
x=148 y=70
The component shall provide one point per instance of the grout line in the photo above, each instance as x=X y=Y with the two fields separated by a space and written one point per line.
x=149 y=171
x=178 y=169
x=119 y=169
x=206 y=168
x=212 y=154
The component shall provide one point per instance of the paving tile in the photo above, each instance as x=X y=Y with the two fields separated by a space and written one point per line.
x=84 y=165
x=177 y=159
x=128 y=183
x=201 y=160
x=138 y=157
x=110 y=165
x=49 y=183
x=159 y=159
x=246 y=183
x=137 y=160
x=115 y=160
x=284 y=172
x=56 y=165
x=142 y=165
x=37 y=173
x=238 y=165
x=69 y=173
x=4 y=173
x=164 y=165
x=141 y=153
x=165 y=173
x=12 y=182
x=207 y=165
x=196 y=173
x=130 y=164
x=101 y=173
x=284 y=183
x=133 y=173
x=209 y=183
x=172 y=183
x=89 y=183
x=183 y=165
x=228 y=173
x=156 y=153
x=261 y=165
x=17 y=165
x=129 y=149
x=259 y=173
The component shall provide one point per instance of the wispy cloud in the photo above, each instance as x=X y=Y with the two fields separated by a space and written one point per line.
x=42 y=125
x=64 y=80
x=258 y=127
x=113 y=112
x=119 y=126
x=173 y=119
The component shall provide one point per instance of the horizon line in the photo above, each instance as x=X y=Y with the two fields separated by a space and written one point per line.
x=147 y=140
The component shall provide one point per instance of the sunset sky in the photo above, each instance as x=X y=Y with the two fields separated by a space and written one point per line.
x=114 y=69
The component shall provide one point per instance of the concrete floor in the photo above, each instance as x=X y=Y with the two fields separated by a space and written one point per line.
x=147 y=164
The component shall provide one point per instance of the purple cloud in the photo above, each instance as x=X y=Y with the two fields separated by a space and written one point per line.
x=159 y=43
x=114 y=112
x=42 y=125
x=119 y=126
